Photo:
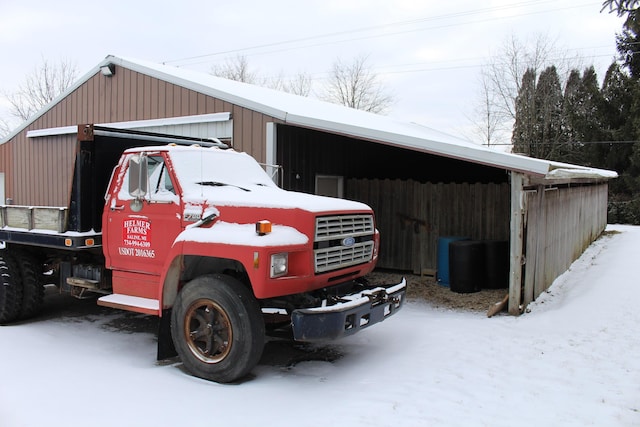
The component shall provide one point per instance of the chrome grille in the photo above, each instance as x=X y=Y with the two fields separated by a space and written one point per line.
x=333 y=232
x=332 y=227
x=340 y=257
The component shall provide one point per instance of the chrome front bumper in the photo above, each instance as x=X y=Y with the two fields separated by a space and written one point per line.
x=351 y=314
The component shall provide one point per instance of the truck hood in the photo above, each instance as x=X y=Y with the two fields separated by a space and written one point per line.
x=213 y=177
x=267 y=197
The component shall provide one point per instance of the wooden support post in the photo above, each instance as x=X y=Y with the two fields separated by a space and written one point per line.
x=516 y=239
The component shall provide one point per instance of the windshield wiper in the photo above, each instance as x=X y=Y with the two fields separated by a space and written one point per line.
x=221 y=184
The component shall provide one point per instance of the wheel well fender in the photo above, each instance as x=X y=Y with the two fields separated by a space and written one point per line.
x=185 y=268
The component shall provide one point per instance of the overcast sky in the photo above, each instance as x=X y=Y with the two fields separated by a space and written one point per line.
x=428 y=53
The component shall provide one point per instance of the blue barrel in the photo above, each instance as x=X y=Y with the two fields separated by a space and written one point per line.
x=443 y=258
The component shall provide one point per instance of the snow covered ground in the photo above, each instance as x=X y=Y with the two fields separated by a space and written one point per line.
x=573 y=360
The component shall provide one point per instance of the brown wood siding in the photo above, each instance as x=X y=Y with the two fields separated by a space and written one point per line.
x=6 y=165
x=249 y=131
x=43 y=170
x=38 y=171
x=412 y=216
x=560 y=223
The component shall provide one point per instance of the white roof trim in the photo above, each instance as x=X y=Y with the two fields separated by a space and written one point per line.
x=136 y=124
x=584 y=173
x=320 y=115
x=65 y=130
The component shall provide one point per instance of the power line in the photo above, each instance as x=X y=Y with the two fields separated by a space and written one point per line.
x=189 y=60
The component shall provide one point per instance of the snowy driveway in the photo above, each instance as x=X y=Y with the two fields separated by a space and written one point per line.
x=573 y=360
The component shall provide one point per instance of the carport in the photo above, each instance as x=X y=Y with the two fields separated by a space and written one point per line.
x=423 y=184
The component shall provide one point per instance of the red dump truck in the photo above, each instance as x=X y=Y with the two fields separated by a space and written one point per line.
x=200 y=236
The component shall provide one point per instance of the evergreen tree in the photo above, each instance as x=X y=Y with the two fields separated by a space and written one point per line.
x=616 y=126
x=628 y=43
x=549 y=137
x=524 y=127
x=626 y=100
x=572 y=124
x=589 y=116
x=571 y=106
x=621 y=90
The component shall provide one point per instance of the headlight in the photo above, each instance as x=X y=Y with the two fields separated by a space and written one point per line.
x=279 y=264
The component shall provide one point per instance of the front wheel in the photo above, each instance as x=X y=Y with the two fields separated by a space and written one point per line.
x=217 y=328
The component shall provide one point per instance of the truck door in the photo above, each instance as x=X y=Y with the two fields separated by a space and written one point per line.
x=140 y=233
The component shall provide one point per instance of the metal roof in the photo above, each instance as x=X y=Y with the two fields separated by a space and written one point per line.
x=316 y=114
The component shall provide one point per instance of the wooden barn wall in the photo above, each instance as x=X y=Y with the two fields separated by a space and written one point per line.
x=560 y=223
x=39 y=172
x=43 y=170
x=411 y=216
x=305 y=153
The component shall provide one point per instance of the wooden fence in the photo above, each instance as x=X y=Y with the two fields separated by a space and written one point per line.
x=411 y=216
x=559 y=224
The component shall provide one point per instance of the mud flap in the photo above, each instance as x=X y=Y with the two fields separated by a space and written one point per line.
x=166 y=349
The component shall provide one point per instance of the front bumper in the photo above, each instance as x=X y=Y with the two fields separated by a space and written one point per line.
x=352 y=314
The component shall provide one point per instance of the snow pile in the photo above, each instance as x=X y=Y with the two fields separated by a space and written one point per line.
x=572 y=360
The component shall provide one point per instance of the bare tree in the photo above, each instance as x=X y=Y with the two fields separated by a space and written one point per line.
x=300 y=84
x=508 y=66
x=487 y=122
x=236 y=69
x=503 y=76
x=5 y=128
x=356 y=86
x=41 y=87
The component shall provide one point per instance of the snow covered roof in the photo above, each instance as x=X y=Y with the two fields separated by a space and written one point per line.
x=316 y=114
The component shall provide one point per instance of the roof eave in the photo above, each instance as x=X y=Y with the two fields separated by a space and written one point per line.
x=206 y=90
x=481 y=156
x=79 y=82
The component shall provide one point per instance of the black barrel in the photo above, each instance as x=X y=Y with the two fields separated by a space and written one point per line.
x=497 y=263
x=467 y=271
x=443 y=258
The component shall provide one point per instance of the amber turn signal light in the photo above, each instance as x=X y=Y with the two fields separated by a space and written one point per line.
x=263 y=227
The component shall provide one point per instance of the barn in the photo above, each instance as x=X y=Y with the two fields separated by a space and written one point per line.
x=424 y=185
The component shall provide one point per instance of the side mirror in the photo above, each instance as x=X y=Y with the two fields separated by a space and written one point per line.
x=138 y=176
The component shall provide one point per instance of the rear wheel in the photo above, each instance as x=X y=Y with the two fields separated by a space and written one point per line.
x=32 y=288
x=217 y=328
x=10 y=290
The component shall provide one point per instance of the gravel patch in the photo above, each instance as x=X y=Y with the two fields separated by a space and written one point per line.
x=426 y=289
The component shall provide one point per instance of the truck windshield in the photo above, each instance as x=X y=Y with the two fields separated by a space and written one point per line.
x=198 y=167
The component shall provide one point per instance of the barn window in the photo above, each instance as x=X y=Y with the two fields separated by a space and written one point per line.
x=330 y=185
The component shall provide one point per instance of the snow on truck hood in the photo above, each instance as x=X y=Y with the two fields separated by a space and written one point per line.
x=276 y=198
x=229 y=178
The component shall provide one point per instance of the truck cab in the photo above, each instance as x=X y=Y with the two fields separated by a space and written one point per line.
x=203 y=238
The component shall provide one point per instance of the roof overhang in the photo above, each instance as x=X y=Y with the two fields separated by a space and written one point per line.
x=316 y=114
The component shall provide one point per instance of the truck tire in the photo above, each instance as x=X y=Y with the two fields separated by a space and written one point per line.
x=217 y=328
x=32 y=287
x=10 y=290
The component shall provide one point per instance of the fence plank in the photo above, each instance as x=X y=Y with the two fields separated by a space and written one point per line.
x=561 y=223
x=411 y=216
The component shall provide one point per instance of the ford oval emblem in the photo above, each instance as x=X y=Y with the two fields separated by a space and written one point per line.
x=348 y=241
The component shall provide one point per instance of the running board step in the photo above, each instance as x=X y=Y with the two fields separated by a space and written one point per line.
x=130 y=303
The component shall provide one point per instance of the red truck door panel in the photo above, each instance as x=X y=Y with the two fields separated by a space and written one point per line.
x=138 y=239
